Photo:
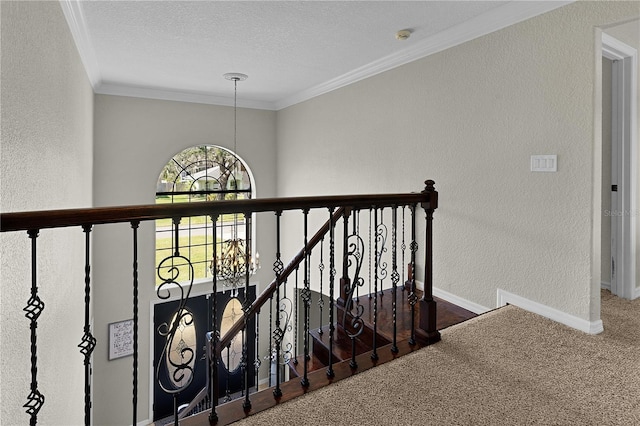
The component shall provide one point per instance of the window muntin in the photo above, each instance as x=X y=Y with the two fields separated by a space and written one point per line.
x=201 y=173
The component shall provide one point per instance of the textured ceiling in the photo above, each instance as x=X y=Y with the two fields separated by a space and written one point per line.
x=291 y=50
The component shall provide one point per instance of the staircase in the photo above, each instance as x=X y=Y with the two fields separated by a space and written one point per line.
x=317 y=363
x=448 y=314
x=365 y=332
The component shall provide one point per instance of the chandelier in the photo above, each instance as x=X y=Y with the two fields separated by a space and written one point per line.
x=234 y=261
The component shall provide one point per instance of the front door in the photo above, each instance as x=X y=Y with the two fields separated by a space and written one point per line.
x=190 y=334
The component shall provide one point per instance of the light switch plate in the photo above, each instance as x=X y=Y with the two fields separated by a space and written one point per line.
x=544 y=163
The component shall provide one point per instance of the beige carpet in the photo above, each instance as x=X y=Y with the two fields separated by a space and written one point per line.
x=505 y=367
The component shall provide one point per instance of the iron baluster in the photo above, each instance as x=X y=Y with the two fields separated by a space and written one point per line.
x=381 y=235
x=227 y=393
x=278 y=267
x=306 y=299
x=295 y=325
x=245 y=345
x=321 y=269
x=176 y=364
x=412 y=293
x=356 y=231
x=88 y=342
x=376 y=266
x=353 y=257
x=271 y=354
x=381 y=271
x=370 y=239
x=257 y=362
x=215 y=333
x=395 y=277
x=34 y=308
x=332 y=275
x=403 y=246
x=134 y=227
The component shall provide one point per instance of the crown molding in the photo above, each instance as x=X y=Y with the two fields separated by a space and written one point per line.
x=494 y=20
x=78 y=27
x=119 y=89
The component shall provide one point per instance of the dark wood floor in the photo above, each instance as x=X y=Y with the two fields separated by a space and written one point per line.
x=447 y=314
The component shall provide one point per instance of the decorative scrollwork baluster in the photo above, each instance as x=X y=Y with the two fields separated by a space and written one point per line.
x=381 y=248
x=34 y=308
x=174 y=371
x=354 y=246
x=88 y=343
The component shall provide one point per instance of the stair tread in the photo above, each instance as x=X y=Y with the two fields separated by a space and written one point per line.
x=342 y=344
x=297 y=369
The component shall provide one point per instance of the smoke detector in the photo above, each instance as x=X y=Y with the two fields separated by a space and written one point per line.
x=403 y=34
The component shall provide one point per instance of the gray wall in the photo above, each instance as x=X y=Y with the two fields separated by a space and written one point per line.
x=470 y=118
x=134 y=139
x=46 y=163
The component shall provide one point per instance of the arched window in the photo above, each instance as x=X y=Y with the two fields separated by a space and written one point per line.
x=200 y=173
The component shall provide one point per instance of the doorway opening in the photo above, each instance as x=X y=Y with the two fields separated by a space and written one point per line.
x=620 y=152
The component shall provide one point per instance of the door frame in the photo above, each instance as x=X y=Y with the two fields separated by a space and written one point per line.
x=624 y=210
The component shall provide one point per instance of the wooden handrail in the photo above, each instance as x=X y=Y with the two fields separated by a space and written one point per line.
x=25 y=221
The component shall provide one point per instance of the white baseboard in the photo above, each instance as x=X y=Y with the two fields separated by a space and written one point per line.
x=636 y=293
x=604 y=285
x=456 y=300
x=590 y=327
x=463 y=303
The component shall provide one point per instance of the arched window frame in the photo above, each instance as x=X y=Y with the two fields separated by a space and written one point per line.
x=181 y=188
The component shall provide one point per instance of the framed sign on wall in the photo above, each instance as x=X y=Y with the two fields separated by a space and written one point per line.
x=120 y=339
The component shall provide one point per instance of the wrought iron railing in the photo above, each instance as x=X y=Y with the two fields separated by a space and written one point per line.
x=362 y=239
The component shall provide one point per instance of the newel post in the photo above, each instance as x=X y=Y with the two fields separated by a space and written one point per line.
x=427 y=330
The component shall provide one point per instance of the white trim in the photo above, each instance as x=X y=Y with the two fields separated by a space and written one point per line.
x=604 y=285
x=456 y=300
x=591 y=327
x=626 y=70
x=78 y=28
x=459 y=301
x=496 y=19
x=117 y=89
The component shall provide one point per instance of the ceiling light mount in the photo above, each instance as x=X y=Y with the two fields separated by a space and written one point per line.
x=403 y=34
x=235 y=76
